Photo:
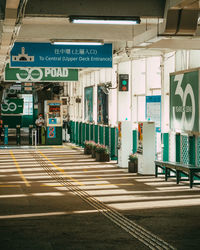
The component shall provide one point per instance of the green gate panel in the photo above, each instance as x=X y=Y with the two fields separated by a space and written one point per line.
x=101 y=135
x=57 y=140
x=96 y=133
x=107 y=136
x=165 y=146
x=134 y=141
x=83 y=133
x=76 y=133
x=192 y=155
x=178 y=148
x=80 y=134
x=87 y=132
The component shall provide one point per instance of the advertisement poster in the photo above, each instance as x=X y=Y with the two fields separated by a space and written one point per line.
x=153 y=110
x=102 y=106
x=88 y=104
x=184 y=101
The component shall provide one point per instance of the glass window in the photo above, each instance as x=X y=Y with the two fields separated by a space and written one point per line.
x=28 y=104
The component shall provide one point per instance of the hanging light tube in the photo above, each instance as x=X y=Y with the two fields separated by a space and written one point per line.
x=76 y=42
x=123 y=20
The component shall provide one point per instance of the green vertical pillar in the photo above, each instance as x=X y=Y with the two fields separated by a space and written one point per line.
x=165 y=146
x=113 y=145
x=83 y=133
x=96 y=133
x=192 y=155
x=18 y=136
x=101 y=134
x=80 y=134
x=134 y=141
x=107 y=135
x=91 y=132
x=71 y=131
x=76 y=133
x=87 y=132
x=178 y=147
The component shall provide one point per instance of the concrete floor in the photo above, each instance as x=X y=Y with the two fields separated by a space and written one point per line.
x=38 y=212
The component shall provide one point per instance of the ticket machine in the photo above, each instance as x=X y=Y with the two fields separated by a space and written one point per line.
x=53 y=121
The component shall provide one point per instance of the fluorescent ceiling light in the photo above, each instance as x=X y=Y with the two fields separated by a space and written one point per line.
x=104 y=20
x=76 y=42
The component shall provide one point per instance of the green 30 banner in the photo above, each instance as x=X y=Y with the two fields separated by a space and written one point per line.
x=184 y=101
x=12 y=106
x=40 y=74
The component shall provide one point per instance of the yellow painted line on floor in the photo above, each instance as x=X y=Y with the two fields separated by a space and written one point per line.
x=61 y=170
x=51 y=185
x=19 y=169
x=1 y=186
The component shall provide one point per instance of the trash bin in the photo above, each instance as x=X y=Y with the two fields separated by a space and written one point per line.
x=133 y=166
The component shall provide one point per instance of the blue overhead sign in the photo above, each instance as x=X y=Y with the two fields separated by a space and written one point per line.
x=70 y=56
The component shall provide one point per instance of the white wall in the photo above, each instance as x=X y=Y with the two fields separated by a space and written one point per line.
x=147 y=76
x=124 y=104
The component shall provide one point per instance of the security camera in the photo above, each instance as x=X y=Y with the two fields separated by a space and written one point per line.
x=105 y=90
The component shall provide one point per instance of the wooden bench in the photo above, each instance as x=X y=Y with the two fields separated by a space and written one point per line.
x=178 y=168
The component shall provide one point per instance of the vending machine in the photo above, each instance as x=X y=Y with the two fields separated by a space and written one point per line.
x=146 y=147
x=125 y=142
x=53 y=121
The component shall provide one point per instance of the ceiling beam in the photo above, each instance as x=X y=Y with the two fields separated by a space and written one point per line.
x=8 y=29
x=142 y=8
x=180 y=4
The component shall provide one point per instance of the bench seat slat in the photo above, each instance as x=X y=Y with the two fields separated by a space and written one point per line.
x=187 y=169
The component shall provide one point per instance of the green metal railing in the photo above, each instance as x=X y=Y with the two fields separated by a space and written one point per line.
x=81 y=132
x=187 y=149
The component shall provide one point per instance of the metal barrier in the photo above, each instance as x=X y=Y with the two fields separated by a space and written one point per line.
x=34 y=136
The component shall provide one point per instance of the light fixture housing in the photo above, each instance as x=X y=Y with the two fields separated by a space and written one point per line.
x=76 y=42
x=119 y=20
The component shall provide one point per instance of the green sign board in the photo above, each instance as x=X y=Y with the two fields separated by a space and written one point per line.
x=184 y=101
x=40 y=74
x=12 y=106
